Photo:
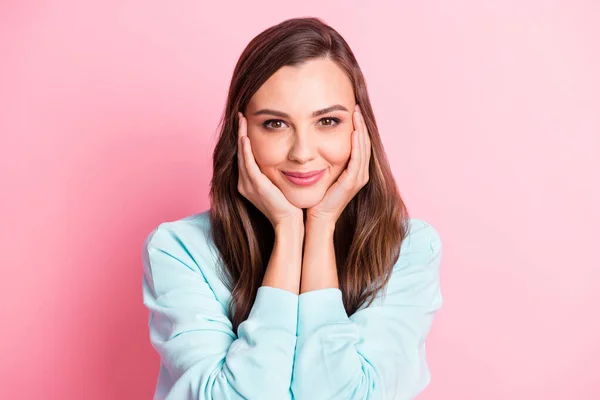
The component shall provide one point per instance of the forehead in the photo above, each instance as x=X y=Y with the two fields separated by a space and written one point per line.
x=302 y=89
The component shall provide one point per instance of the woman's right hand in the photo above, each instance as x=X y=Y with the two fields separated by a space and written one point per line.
x=256 y=187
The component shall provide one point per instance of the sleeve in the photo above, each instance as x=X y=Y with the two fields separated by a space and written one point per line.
x=379 y=351
x=189 y=328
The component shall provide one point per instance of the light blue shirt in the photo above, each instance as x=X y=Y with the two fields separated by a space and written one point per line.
x=291 y=346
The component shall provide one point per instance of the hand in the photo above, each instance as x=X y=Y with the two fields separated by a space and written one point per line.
x=354 y=177
x=259 y=189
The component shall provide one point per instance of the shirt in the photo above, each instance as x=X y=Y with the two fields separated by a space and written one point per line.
x=291 y=346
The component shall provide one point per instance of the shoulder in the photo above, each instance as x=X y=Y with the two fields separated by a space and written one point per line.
x=415 y=279
x=416 y=275
x=188 y=227
x=421 y=245
x=182 y=253
x=417 y=270
x=186 y=239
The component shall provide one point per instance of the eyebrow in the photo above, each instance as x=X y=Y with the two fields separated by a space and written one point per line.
x=314 y=114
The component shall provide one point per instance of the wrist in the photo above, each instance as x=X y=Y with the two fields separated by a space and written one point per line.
x=320 y=225
x=289 y=227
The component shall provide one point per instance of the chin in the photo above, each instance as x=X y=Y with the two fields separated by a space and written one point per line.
x=304 y=200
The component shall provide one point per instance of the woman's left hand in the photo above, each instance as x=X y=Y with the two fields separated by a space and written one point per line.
x=354 y=177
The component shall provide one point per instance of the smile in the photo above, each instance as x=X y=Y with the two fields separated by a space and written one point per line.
x=305 y=181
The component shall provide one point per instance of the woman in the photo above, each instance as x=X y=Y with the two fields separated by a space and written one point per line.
x=315 y=287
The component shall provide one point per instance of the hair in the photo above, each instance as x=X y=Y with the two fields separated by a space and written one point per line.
x=369 y=232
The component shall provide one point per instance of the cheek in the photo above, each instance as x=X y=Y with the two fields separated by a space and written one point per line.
x=337 y=152
x=266 y=152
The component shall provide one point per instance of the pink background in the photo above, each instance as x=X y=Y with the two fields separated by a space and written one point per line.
x=489 y=111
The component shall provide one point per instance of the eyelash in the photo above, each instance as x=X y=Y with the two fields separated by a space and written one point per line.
x=267 y=122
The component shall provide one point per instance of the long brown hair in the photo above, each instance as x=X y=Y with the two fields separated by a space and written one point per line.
x=369 y=232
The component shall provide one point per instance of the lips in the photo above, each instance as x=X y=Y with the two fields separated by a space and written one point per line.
x=302 y=174
x=304 y=178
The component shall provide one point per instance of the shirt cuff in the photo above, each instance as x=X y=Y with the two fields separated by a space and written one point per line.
x=318 y=308
x=276 y=308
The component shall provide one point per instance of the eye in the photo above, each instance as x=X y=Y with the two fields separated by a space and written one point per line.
x=336 y=120
x=267 y=123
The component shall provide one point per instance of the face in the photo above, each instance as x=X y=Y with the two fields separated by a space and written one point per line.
x=287 y=137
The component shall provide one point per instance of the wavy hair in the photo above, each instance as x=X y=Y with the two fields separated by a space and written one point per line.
x=370 y=230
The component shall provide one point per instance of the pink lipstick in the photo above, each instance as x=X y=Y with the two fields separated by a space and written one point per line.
x=304 y=178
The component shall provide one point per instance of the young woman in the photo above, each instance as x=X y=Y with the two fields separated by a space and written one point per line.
x=306 y=279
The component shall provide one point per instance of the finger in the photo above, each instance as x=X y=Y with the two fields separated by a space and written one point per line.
x=361 y=141
x=369 y=150
x=252 y=169
x=241 y=127
x=365 y=147
x=240 y=153
x=354 y=164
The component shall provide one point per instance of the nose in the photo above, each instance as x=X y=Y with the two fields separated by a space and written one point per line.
x=304 y=147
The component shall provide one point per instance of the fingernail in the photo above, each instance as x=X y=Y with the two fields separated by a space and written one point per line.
x=357 y=108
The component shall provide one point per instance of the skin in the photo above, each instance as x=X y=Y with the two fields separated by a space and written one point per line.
x=301 y=142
